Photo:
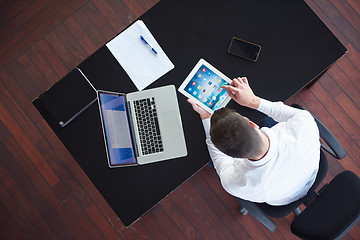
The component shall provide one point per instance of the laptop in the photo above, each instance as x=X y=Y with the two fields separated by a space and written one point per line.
x=141 y=127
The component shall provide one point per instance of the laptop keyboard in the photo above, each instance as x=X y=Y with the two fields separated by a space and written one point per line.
x=148 y=126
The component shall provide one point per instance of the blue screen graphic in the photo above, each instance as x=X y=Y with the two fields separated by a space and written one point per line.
x=117 y=131
x=205 y=86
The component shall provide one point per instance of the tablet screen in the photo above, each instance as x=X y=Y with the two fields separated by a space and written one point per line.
x=205 y=86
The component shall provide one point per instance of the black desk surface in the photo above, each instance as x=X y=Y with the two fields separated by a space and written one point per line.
x=296 y=48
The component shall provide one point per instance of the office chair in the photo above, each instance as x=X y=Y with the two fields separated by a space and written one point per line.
x=263 y=211
x=334 y=211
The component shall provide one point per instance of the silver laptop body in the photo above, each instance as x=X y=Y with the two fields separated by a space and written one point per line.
x=123 y=132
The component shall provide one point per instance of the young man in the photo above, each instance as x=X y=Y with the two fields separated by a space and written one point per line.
x=275 y=165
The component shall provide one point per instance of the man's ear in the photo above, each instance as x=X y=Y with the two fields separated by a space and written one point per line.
x=254 y=125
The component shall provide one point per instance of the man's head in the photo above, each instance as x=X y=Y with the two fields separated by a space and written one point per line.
x=235 y=135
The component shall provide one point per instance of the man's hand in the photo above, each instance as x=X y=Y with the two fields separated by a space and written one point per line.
x=241 y=92
x=202 y=112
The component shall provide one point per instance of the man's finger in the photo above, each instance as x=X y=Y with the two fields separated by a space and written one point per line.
x=245 y=80
x=235 y=82
x=230 y=93
x=192 y=102
x=231 y=88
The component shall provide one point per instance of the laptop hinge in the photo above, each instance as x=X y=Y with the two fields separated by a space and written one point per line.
x=133 y=139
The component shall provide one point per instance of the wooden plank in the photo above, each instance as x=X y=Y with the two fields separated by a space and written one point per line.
x=24 y=81
x=324 y=113
x=146 y=4
x=179 y=219
x=23 y=223
x=99 y=20
x=117 y=21
x=123 y=11
x=49 y=17
x=27 y=146
x=158 y=214
x=71 y=43
x=100 y=221
x=133 y=6
x=13 y=228
x=64 y=54
x=355 y=232
x=200 y=222
x=225 y=213
x=154 y=230
x=77 y=211
x=349 y=13
x=13 y=89
x=355 y=5
x=349 y=107
x=16 y=112
x=341 y=23
x=72 y=195
x=345 y=83
x=43 y=66
x=353 y=56
x=23 y=204
x=336 y=110
x=72 y=188
x=90 y=28
x=23 y=17
x=312 y=104
x=3 y=231
x=200 y=206
x=139 y=230
x=29 y=180
x=107 y=213
x=248 y=222
x=351 y=136
x=80 y=35
x=12 y=9
x=31 y=72
x=325 y=18
x=350 y=70
x=51 y=56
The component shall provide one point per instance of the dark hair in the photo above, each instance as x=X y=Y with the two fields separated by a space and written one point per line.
x=232 y=134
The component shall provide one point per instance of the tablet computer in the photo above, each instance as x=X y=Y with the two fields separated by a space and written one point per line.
x=204 y=85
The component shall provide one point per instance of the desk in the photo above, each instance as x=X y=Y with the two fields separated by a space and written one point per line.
x=296 y=48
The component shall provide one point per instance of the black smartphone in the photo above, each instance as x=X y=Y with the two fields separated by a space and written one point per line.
x=244 y=49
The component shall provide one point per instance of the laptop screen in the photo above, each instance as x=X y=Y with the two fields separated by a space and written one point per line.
x=116 y=128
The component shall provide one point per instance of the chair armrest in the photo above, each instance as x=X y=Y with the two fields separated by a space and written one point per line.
x=259 y=214
x=333 y=147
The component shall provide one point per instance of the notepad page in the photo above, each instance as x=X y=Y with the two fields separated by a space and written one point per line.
x=142 y=65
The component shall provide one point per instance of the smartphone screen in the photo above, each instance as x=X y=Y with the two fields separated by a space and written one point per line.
x=244 y=49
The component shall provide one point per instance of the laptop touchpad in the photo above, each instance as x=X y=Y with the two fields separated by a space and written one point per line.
x=170 y=121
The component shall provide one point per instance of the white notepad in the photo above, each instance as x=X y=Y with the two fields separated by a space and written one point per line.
x=137 y=59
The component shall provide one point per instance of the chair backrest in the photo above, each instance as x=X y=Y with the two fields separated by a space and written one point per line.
x=282 y=211
x=334 y=212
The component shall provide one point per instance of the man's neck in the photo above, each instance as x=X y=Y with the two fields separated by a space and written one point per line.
x=265 y=148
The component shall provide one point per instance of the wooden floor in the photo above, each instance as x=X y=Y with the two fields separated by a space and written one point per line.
x=45 y=194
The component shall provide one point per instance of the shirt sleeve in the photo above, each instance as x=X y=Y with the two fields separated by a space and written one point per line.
x=216 y=155
x=281 y=112
x=230 y=172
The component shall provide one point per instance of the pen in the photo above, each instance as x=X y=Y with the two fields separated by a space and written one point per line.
x=144 y=41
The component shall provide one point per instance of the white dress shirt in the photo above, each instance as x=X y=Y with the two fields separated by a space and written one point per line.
x=289 y=168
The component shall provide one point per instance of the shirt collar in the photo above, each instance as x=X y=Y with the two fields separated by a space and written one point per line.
x=272 y=149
